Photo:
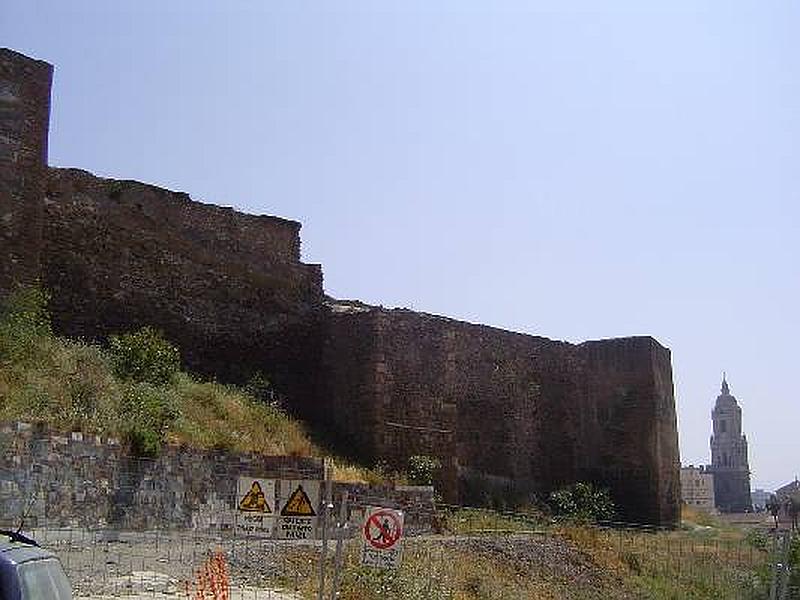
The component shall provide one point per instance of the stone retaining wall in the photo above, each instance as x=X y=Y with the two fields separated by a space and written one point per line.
x=78 y=480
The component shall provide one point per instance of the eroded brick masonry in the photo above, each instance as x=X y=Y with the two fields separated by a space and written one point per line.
x=509 y=415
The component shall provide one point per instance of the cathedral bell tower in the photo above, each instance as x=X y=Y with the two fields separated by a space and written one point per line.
x=729 y=454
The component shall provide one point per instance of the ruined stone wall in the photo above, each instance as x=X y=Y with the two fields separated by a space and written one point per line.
x=509 y=415
x=227 y=287
x=350 y=385
x=24 y=119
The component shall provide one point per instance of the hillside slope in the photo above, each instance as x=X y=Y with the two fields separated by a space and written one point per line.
x=133 y=388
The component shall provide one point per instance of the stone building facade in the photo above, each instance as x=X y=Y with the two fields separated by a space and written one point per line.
x=729 y=462
x=790 y=489
x=509 y=415
x=697 y=488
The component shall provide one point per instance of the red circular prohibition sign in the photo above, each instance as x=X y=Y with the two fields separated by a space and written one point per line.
x=382 y=529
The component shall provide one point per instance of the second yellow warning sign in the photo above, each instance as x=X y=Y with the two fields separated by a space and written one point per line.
x=298 y=502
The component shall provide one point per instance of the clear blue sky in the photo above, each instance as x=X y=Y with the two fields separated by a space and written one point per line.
x=578 y=170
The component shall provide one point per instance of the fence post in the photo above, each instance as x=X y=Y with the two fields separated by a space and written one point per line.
x=786 y=569
x=326 y=506
x=773 y=588
x=429 y=563
x=341 y=526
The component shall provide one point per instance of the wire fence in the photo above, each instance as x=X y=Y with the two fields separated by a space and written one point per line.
x=472 y=553
x=168 y=528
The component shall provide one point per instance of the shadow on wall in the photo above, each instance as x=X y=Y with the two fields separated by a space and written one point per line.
x=500 y=493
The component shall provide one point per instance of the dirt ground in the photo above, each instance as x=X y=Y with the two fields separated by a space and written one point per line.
x=152 y=585
x=112 y=564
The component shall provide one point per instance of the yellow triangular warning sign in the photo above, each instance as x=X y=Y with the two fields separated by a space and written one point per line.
x=298 y=505
x=254 y=500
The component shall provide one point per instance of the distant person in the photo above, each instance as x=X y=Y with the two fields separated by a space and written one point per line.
x=774 y=508
x=793 y=507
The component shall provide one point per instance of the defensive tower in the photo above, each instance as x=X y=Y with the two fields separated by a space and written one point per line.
x=24 y=118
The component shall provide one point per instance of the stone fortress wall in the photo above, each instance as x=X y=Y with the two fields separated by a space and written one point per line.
x=24 y=121
x=509 y=414
x=227 y=287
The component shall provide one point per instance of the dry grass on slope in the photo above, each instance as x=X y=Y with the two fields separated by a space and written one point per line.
x=212 y=415
x=133 y=389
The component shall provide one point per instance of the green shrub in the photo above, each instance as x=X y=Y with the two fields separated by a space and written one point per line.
x=582 y=502
x=422 y=469
x=143 y=442
x=144 y=356
x=24 y=321
x=150 y=411
x=757 y=539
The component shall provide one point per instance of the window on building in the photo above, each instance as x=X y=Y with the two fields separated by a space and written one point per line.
x=722 y=426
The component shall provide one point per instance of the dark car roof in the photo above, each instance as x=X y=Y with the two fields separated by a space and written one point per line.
x=18 y=553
